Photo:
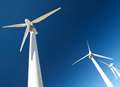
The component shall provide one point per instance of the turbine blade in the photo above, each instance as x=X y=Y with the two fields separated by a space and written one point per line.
x=15 y=25
x=118 y=69
x=41 y=18
x=114 y=73
x=88 y=47
x=80 y=59
x=97 y=55
x=24 y=38
x=104 y=63
x=102 y=73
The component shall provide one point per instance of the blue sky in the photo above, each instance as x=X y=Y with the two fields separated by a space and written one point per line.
x=61 y=41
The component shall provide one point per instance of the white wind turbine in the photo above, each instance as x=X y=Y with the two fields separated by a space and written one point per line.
x=34 y=70
x=91 y=56
x=115 y=70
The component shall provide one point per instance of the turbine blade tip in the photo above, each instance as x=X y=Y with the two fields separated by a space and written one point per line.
x=59 y=8
x=20 y=50
x=73 y=64
x=111 y=59
x=4 y=26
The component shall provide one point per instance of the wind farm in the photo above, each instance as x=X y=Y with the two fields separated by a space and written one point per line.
x=43 y=43
x=34 y=69
x=91 y=56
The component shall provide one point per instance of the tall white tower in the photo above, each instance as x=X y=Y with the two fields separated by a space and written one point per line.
x=34 y=70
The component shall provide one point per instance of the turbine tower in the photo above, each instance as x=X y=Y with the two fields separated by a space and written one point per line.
x=115 y=70
x=91 y=56
x=34 y=70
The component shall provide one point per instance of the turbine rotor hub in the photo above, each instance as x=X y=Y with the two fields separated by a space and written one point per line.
x=28 y=22
x=90 y=56
x=111 y=65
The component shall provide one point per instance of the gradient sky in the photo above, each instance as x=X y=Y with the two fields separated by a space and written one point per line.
x=61 y=41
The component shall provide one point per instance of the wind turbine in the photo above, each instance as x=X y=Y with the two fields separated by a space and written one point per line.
x=91 y=56
x=115 y=70
x=34 y=71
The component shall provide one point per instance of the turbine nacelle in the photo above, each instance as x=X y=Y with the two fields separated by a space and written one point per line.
x=90 y=56
x=110 y=65
x=28 y=22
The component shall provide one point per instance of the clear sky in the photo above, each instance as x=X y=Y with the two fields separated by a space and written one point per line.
x=61 y=41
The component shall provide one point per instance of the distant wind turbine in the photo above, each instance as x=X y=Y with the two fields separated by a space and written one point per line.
x=34 y=71
x=91 y=56
x=115 y=70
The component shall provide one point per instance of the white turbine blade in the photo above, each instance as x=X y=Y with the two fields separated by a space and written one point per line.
x=118 y=69
x=80 y=59
x=110 y=68
x=41 y=18
x=103 y=75
x=24 y=38
x=104 y=63
x=114 y=73
x=118 y=72
x=14 y=25
x=97 y=55
x=88 y=46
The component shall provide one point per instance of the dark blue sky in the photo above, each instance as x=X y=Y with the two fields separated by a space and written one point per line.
x=61 y=41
